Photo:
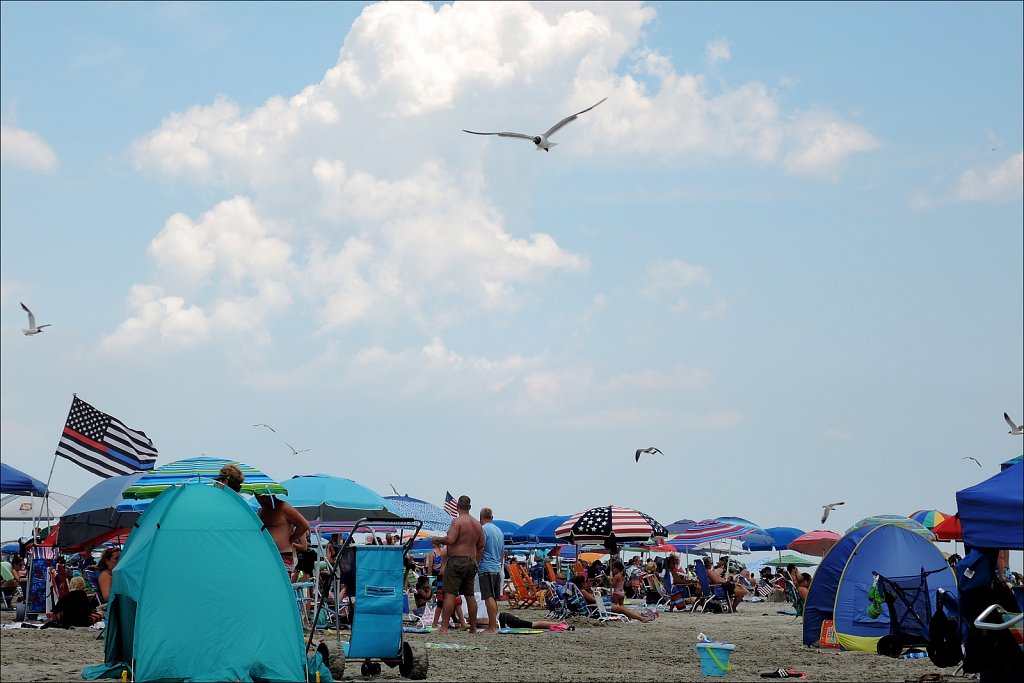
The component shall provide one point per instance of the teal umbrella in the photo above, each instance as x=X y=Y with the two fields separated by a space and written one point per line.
x=334 y=499
x=897 y=520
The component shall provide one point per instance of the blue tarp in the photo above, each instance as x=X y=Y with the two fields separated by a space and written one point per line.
x=13 y=480
x=992 y=512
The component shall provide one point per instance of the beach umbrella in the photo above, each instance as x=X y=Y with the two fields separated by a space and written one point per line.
x=949 y=529
x=780 y=538
x=929 y=519
x=540 y=529
x=723 y=547
x=679 y=526
x=16 y=507
x=95 y=517
x=507 y=528
x=708 y=530
x=155 y=482
x=333 y=499
x=815 y=543
x=791 y=559
x=609 y=521
x=896 y=520
x=433 y=517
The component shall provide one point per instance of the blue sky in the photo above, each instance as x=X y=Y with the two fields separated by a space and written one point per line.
x=787 y=250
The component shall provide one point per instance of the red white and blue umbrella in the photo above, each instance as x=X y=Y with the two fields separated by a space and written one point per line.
x=607 y=521
x=708 y=530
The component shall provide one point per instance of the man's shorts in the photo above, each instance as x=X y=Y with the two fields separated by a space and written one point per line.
x=289 y=561
x=458 y=575
x=490 y=585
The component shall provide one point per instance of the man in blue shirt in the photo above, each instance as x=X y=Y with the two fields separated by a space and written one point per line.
x=491 y=572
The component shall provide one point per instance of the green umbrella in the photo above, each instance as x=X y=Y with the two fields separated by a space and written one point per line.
x=790 y=558
x=153 y=483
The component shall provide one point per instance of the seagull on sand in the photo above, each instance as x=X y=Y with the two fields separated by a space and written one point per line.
x=828 y=508
x=264 y=424
x=967 y=457
x=295 y=452
x=652 y=450
x=542 y=141
x=1015 y=429
x=32 y=327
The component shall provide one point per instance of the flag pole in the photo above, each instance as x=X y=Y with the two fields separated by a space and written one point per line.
x=46 y=503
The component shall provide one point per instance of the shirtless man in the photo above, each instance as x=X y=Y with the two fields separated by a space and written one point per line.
x=465 y=541
x=286 y=526
x=714 y=578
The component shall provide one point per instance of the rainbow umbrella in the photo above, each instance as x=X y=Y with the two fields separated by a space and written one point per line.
x=897 y=520
x=155 y=482
x=929 y=519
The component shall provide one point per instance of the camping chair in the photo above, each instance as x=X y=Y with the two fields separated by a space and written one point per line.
x=576 y=605
x=92 y=577
x=910 y=611
x=654 y=592
x=793 y=598
x=710 y=594
x=603 y=613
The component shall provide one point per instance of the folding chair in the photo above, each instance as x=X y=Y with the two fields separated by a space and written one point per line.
x=603 y=613
x=554 y=602
x=576 y=604
x=654 y=592
x=92 y=576
x=524 y=593
x=711 y=594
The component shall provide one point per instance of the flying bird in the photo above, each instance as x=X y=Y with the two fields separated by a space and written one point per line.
x=1015 y=429
x=652 y=450
x=263 y=424
x=967 y=457
x=828 y=508
x=32 y=327
x=542 y=141
x=295 y=452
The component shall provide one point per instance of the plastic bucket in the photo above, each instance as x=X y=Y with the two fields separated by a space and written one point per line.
x=714 y=658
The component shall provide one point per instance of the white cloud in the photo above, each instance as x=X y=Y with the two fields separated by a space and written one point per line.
x=1001 y=183
x=26 y=149
x=820 y=142
x=717 y=52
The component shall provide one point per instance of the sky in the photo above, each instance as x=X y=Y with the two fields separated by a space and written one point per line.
x=786 y=250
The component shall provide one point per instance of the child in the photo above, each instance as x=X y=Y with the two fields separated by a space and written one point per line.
x=618 y=583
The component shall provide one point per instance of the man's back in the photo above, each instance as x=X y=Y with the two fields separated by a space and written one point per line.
x=494 y=545
x=468 y=536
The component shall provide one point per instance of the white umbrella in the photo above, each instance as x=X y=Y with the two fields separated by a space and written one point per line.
x=20 y=508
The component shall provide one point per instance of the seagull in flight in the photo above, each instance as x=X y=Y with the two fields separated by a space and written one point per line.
x=652 y=450
x=264 y=424
x=1015 y=429
x=828 y=508
x=542 y=141
x=295 y=452
x=32 y=327
x=967 y=457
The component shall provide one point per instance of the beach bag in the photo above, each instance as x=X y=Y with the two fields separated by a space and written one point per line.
x=944 y=639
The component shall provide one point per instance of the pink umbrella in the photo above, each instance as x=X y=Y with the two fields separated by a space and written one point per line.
x=815 y=543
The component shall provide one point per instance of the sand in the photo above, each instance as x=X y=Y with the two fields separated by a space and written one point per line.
x=662 y=650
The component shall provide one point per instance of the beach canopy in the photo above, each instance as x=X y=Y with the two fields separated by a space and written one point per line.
x=94 y=517
x=433 y=517
x=334 y=499
x=1016 y=460
x=235 y=622
x=990 y=512
x=844 y=577
x=22 y=508
x=13 y=480
x=179 y=472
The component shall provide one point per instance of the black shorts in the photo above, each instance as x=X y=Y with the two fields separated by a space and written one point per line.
x=506 y=620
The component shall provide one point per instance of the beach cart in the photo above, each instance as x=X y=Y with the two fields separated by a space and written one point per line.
x=373 y=579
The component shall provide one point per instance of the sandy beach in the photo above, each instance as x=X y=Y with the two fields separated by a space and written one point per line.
x=662 y=650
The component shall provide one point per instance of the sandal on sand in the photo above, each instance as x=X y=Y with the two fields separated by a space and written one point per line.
x=785 y=673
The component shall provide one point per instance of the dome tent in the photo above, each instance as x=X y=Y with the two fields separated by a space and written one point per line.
x=841 y=583
x=236 y=622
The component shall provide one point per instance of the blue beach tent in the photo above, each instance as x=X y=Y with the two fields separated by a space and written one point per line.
x=13 y=480
x=992 y=512
x=841 y=583
x=235 y=620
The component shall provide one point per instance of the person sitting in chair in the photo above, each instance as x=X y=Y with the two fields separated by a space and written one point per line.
x=802 y=581
x=74 y=609
x=617 y=609
x=737 y=591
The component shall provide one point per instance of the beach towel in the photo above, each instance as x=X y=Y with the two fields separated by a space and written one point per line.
x=419 y=629
x=521 y=631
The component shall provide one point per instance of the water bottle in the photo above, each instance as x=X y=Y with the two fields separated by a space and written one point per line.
x=914 y=655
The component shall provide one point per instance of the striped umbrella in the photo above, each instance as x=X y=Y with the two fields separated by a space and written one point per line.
x=708 y=530
x=929 y=519
x=601 y=523
x=153 y=483
x=897 y=520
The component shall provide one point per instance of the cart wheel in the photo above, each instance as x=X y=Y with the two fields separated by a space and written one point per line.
x=369 y=669
x=414 y=661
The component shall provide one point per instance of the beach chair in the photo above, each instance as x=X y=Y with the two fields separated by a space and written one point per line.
x=654 y=592
x=710 y=594
x=92 y=577
x=576 y=604
x=524 y=593
x=554 y=602
x=603 y=613
x=550 y=573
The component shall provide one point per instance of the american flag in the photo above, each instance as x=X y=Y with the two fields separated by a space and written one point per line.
x=103 y=444
x=451 y=505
